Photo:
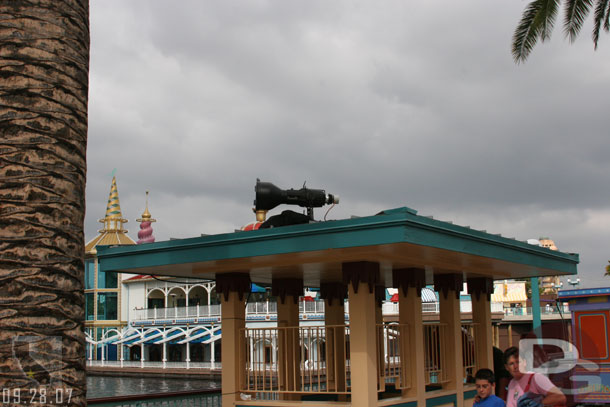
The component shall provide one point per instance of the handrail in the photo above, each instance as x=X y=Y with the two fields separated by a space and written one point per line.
x=153 y=396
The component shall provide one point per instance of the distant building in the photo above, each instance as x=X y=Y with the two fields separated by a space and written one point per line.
x=103 y=290
x=549 y=285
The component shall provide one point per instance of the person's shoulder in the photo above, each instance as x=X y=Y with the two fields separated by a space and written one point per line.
x=491 y=401
x=495 y=401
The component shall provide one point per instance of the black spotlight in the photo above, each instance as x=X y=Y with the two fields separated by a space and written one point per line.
x=268 y=196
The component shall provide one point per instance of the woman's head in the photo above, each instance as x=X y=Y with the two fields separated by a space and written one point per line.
x=514 y=364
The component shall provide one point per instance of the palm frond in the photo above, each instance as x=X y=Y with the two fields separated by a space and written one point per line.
x=599 y=14
x=607 y=18
x=536 y=22
x=548 y=15
x=576 y=13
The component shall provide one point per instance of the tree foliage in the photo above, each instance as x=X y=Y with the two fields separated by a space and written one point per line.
x=539 y=18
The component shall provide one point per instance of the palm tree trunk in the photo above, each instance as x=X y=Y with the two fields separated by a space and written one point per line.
x=44 y=70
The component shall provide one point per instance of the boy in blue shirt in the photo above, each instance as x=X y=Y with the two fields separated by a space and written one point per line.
x=485 y=384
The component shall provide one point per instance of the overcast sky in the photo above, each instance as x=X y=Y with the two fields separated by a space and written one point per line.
x=388 y=104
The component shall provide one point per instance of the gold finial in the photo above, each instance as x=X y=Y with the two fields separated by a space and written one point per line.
x=261 y=215
x=146 y=216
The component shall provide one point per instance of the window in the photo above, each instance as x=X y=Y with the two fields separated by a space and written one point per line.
x=89 y=305
x=89 y=274
x=107 y=279
x=156 y=303
x=107 y=306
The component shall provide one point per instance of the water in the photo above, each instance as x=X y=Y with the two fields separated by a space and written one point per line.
x=108 y=386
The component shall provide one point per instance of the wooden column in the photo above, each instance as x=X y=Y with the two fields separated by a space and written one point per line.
x=231 y=288
x=449 y=287
x=480 y=290
x=334 y=295
x=289 y=347
x=410 y=283
x=360 y=278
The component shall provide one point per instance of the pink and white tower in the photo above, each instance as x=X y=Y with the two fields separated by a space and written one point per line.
x=145 y=235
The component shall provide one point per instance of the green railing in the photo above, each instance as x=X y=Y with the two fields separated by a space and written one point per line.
x=203 y=398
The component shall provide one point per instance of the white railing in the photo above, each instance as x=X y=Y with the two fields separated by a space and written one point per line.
x=197 y=311
x=497 y=307
x=311 y=307
x=317 y=307
x=546 y=310
x=156 y=364
x=200 y=311
x=261 y=308
x=391 y=308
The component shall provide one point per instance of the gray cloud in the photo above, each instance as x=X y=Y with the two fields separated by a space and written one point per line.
x=387 y=104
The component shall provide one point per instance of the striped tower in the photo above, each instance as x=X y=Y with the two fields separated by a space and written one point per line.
x=145 y=235
x=112 y=233
x=113 y=221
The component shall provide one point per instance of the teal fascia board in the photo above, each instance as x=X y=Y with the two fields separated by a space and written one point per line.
x=438 y=401
x=400 y=225
x=470 y=394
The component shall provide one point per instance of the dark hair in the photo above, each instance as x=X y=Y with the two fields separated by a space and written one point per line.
x=485 y=374
x=510 y=352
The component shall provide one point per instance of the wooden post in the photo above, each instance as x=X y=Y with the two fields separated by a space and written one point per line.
x=233 y=317
x=480 y=290
x=362 y=277
x=409 y=283
x=334 y=320
x=449 y=287
x=289 y=346
x=231 y=288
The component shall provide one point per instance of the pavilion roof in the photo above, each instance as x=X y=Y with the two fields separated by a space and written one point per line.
x=396 y=238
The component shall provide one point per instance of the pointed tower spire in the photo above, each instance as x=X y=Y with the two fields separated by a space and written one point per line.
x=145 y=235
x=112 y=233
x=113 y=221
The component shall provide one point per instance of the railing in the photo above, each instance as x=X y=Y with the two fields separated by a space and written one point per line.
x=313 y=359
x=202 y=398
x=469 y=351
x=435 y=355
x=527 y=311
x=393 y=355
x=196 y=311
x=261 y=308
x=311 y=307
x=497 y=307
x=317 y=307
x=200 y=311
x=150 y=364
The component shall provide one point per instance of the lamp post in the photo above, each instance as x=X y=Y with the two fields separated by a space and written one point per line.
x=574 y=283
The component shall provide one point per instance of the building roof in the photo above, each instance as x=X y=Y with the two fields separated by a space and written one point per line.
x=112 y=233
x=396 y=239
x=583 y=292
x=509 y=297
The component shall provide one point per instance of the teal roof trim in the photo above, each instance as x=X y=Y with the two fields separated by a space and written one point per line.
x=401 y=225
